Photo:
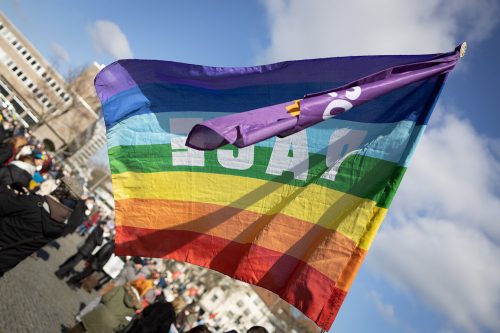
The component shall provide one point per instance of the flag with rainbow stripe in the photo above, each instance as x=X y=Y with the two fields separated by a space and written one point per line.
x=293 y=213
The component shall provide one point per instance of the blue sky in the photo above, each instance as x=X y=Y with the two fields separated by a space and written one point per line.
x=434 y=265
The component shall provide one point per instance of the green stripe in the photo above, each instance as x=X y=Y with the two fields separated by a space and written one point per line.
x=359 y=175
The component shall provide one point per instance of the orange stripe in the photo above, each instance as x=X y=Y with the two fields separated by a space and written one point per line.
x=347 y=277
x=323 y=249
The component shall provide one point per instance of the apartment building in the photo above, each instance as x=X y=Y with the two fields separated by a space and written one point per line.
x=56 y=111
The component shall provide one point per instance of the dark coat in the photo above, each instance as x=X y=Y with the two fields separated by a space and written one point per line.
x=25 y=226
x=6 y=152
x=102 y=256
x=15 y=177
x=93 y=240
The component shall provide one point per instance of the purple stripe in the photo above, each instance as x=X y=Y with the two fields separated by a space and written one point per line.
x=247 y=128
x=126 y=74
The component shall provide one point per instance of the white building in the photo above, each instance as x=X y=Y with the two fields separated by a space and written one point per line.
x=235 y=305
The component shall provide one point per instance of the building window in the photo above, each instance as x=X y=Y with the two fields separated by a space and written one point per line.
x=19 y=73
x=214 y=298
x=19 y=108
x=30 y=85
x=14 y=68
x=19 y=47
x=246 y=312
x=24 y=52
x=239 y=303
x=14 y=42
x=28 y=118
x=3 y=91
x=58 y=88
x=24 y=78
x=230 y=314
x=33 y=62
x=44 y=74
x=35 y=90
x=66 y=98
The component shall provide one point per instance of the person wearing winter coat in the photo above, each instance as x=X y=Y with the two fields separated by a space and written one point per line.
x=97 y=262
x=112 y=312
x=85 y=251
x=156 y=318
x=18 y=174
x=28 y=222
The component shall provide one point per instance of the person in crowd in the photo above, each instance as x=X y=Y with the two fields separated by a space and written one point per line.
x=94 y=216
x=6 y=129
x=9 y=150
x=28 y=222
x=96 y=263
x=257 y=329
x=18 y=173
x=112 y=312
x=156 y=318
x=131 y=271
x=199 y=329
x=84 y=252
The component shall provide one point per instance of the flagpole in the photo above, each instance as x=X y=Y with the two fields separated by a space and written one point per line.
x=463 y=48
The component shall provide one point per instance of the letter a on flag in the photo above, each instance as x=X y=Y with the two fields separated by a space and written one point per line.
x=277 y=175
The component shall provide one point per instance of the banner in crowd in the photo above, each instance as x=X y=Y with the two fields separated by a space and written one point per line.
x=293 y=213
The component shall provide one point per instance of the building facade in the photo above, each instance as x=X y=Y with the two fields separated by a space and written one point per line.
x=40 y=99
x=229 y=304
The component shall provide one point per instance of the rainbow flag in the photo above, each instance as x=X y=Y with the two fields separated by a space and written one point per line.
x=294 y=214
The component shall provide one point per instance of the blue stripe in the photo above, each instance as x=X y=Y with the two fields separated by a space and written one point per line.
x=387 y=141
x=402 y=104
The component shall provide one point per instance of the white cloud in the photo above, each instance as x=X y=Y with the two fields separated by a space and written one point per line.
x=323 y=28
x=108 y=38
x=60 y=52
x=442 y=240
x=384 y=309
x=455 y=176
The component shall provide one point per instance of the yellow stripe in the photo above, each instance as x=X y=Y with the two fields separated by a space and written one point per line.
x=354 y=217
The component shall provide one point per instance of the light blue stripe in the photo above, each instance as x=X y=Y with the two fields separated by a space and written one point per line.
x=388 y=141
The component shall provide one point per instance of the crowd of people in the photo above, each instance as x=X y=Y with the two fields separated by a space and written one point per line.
x=40 y=202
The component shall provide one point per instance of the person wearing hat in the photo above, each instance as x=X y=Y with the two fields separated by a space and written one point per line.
x=28 y=222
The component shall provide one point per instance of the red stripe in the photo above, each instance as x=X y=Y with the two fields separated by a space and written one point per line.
x=293 y=280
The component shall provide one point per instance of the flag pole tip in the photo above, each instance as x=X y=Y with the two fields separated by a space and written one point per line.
x=463 y=49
